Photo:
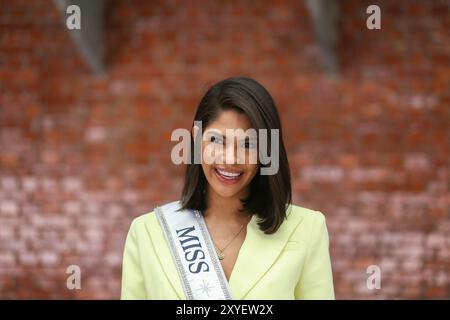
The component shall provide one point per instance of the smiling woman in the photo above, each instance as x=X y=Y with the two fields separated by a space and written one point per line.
x=234 y=234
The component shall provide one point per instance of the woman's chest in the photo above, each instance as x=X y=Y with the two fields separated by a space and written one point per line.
x=228 y=254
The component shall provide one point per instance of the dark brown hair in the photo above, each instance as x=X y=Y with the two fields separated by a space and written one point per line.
x=269 y=195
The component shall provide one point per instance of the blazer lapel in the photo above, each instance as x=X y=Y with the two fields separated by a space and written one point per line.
x=165 y=258
x=257 y=254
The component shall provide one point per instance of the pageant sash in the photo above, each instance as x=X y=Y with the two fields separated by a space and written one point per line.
x=192 y=249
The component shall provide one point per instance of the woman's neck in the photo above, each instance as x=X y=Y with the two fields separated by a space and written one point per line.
x=225 y=209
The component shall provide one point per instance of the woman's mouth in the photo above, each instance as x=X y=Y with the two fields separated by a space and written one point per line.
x=227 y=177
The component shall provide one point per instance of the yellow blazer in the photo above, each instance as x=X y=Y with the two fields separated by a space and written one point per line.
x=293 y=263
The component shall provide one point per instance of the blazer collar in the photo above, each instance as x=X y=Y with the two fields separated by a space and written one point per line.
x=258 y=253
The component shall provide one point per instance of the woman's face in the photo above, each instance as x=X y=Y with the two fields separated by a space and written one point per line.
x=229 y=155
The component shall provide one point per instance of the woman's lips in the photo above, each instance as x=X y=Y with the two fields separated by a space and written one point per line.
x=227 y=177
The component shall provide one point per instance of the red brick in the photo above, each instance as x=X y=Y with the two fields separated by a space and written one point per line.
x=82 y=155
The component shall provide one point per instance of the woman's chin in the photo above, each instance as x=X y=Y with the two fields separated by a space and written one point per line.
x=225 y=192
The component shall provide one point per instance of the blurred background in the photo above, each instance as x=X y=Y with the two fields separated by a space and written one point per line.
x=86 y=117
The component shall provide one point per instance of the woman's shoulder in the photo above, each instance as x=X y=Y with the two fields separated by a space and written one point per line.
x=295 y=212
x=305 y=220
x=295 y=215
x=147 y=218
x=150 y=218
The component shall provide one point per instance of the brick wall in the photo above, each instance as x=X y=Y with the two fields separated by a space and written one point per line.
x=82 y=155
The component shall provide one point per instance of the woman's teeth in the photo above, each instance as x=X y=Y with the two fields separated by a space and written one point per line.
x=228 y=175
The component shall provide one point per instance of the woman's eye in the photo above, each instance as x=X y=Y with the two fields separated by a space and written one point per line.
x=249 y=145
x=216 y=139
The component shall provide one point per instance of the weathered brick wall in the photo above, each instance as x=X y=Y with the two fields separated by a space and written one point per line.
x=82 y=155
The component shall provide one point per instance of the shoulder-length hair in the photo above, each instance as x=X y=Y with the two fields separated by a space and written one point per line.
x=270 y=195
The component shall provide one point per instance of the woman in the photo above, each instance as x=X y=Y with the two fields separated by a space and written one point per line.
x=234 y=233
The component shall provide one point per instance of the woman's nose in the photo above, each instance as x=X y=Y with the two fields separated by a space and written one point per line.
x=230 y=153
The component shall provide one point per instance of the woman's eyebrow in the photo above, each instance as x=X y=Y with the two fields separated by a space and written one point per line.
x=247 y=138
x=222 y=136
x=243 y=138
